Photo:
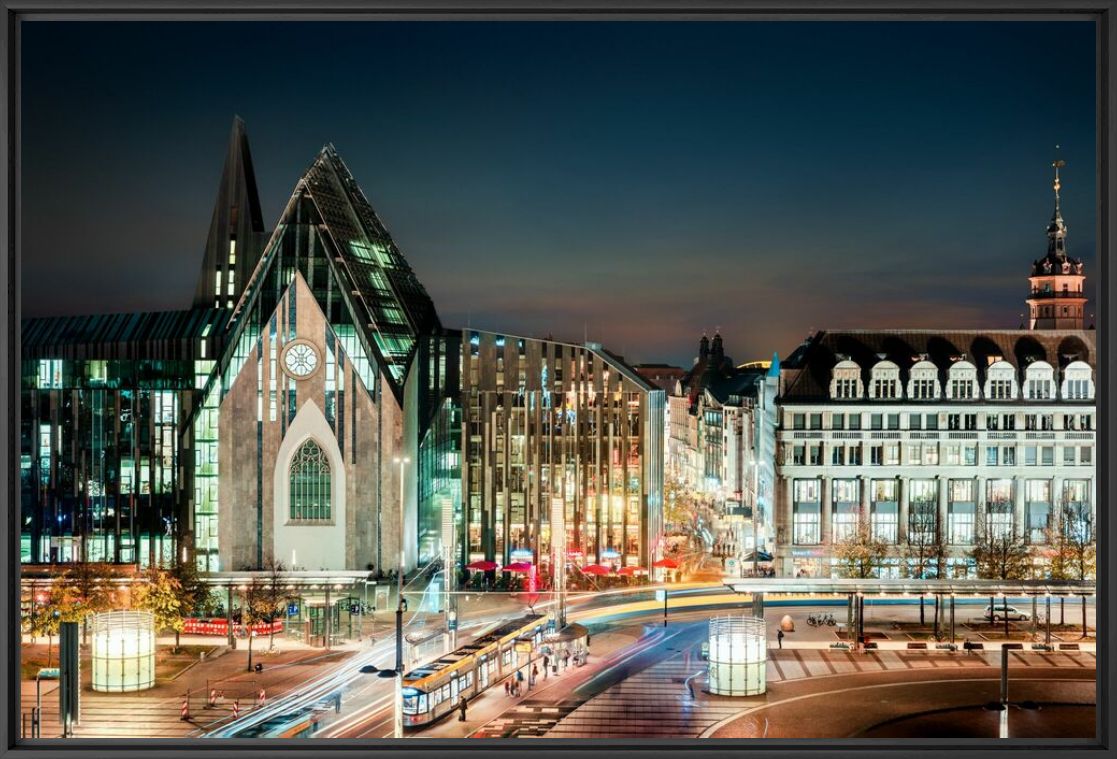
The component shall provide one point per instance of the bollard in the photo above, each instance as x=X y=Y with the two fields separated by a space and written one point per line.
x=185 y=715
x=236 y=707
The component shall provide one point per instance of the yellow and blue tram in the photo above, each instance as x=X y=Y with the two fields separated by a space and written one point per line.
x=434 y=690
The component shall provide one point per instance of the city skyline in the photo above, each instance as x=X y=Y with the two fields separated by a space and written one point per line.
x=538 y=198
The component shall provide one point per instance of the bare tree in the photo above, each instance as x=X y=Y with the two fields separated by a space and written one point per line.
x=925 y=547
x=1001 y=555
x=275 y=595
x=860 y=553
x=1075 y=548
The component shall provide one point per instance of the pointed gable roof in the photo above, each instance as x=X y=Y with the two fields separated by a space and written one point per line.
x=330 y=233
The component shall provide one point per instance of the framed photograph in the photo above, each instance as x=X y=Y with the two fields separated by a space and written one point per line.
x=636 y=377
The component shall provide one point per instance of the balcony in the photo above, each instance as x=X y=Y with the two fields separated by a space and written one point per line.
x=1058 y=294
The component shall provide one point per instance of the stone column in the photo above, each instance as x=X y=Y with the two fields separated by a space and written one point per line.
x=979 y=507
x=1055 y=515
x=826 y=532
x=784 y=535
x=944 y=511
x=902 y=517
x=864 y=517
x=1019 y=528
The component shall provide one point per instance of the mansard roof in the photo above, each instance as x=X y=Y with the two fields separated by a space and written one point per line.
x=807 y=370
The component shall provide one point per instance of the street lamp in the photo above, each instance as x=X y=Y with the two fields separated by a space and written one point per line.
x=398 y=710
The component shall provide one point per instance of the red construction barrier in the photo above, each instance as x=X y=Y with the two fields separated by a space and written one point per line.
x=195 y=626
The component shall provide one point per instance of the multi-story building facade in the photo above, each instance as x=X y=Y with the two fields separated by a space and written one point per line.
x=310 y=408
x=905 y=430
x=548 y=423
x=721 y=444
x=940 y=436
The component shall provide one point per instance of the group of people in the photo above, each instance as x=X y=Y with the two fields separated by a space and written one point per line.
x=513 y=686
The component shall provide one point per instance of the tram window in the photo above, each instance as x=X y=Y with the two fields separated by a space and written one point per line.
x=467 y=679
x=423 y=703
x=410 y=704
x=506 y=656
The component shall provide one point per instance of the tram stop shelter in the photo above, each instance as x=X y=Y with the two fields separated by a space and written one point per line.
x=943 y=592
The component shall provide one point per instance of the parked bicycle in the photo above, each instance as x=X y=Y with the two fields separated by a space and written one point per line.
x=820 y=620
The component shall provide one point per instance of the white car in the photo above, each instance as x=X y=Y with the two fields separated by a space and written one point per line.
x=997 y=613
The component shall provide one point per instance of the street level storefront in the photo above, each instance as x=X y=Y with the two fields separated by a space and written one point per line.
x=317 y=608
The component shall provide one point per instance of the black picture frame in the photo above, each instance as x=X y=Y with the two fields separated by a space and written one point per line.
x=1102 y=12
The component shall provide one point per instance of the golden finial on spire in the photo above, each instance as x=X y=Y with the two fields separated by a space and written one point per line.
x=1058 y=163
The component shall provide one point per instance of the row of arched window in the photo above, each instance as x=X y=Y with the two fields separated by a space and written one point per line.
x=1001 y=383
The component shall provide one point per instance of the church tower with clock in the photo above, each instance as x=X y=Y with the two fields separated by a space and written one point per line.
x=1056 y=299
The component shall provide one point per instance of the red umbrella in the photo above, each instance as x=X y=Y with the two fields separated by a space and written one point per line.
x=595 y=569
x=632 y=571
x=667 y=564
x=523 y=567
x=484 y=566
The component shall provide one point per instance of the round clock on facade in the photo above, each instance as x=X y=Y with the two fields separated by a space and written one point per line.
x=300 y=360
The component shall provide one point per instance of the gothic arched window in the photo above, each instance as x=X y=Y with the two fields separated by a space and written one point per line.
x=310 y=484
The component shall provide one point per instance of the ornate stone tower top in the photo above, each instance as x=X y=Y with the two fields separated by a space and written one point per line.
x=1056 y=299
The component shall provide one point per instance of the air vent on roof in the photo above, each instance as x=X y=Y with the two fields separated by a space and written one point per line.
x=881 y=356
x=919 y=357
x=958 y=357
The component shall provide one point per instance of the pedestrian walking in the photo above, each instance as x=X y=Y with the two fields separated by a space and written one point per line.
x=461 y=708
x=779 y=638
x=534 y=675
x=212 y=698
x=565 y=658
x=546 y=665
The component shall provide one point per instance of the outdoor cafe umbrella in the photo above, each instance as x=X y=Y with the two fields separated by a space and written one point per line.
x=632 y=571
x=667 y=564
x=484 y=566
x=523 y=567
x=595 y=569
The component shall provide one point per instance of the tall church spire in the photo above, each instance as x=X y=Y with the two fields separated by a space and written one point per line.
x=236 y=231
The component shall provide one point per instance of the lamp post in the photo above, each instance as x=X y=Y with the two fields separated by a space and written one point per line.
x=397 y=711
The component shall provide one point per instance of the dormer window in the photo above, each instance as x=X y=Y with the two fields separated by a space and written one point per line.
x=885 y=381
x=962 y=381
x=1000 y=382
x=1078 y=383
x=1039 y=381
x=923 y=384
x=845 y=382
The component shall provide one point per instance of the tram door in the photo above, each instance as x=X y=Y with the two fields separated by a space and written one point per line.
x=483 y=672
x=453 y=689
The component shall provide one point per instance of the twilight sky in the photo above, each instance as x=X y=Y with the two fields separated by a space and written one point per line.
x=636 y=181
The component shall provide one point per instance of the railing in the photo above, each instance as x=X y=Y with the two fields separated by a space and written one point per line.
x=1057 y=293
x=1039 y=435
x=961 y=435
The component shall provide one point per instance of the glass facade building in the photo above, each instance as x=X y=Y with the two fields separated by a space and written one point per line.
x=264 y=421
